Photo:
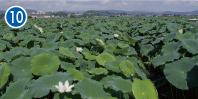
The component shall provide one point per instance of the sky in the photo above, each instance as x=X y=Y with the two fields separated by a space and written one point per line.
x=84 y=5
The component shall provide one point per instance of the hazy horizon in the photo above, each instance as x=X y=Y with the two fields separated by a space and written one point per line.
x=84 y=5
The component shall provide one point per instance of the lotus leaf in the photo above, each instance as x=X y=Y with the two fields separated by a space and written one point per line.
x=77 y=74
x=89 y=56
x=119 y=84
x=4 y=73
x=98 y=71
x=18 y=90
x=104 y=57
x=127 y=68
x=89 y=88
x=67 y=53
x=176 y=72
x=20 y=68
x=190 y=45
x=43 y=85
x=44 y=64
x=144 y=89
x=160 y=60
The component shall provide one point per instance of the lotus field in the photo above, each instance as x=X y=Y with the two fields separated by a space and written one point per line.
x=100 y=58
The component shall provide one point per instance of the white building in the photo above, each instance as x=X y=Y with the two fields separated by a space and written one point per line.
x=39 y=14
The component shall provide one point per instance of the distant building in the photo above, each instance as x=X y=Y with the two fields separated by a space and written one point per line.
x=39 y=14
x=78 y=14
x=69 y=15
x=177 y=15
x=166 y=15
x=188 y=14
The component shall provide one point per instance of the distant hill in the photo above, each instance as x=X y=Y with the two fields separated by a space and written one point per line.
x=27 y=10
x=150 y=12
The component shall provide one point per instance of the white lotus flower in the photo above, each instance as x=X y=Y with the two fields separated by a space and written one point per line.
x=61 y=87
x=64 y=88
x=116 y=35
x=79 y=49
x=61 y=32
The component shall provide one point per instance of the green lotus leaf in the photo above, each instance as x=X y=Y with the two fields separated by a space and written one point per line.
x=1 y=53
x=145 y=49
x=104 y=57
x=67 y=53
x=78 y=55
x=91 y=64
x=86 y=75
x=78 y=41
x=77 y=74
x=66 y=65
x=98 y=71
x=8 y=35
x=176 y=72
x=185 y=36
x=170 y=37
x=112 y=42
x=192 y=77
x=163 y=29
x=110 y=48
x=120 y=58
x=20 y=68
x=108 y=78
x=131 y=51
x=160 y=60
x=139 y=72
x=174 y=27
x=123 y=45
x=89 y=56
x=50 y=45
x=17 y=90
x=109 y=98
x=157 y=40
x=53 y=52
x=190 y=45
x=83 y=65
x=66 y=96
x=131 y=40
x=44 y=64
x=127 y=68
x=119 y=84
x=99 y=42
x=89 y=88
x=4 y=74
x=113 y=65
x=170 y=47
x=145 y=41
x=2 y=46
x=144 y=89
x=43 y=85
x=67 y=43
x=119 y=51
x=68 y=35
x=84 y=35
x=52 y=37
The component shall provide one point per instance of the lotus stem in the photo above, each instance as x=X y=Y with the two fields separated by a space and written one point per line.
x=196 y=93
x=171 y=92
x=183 y=94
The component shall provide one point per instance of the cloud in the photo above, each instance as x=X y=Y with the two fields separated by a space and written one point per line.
x=83 y=5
